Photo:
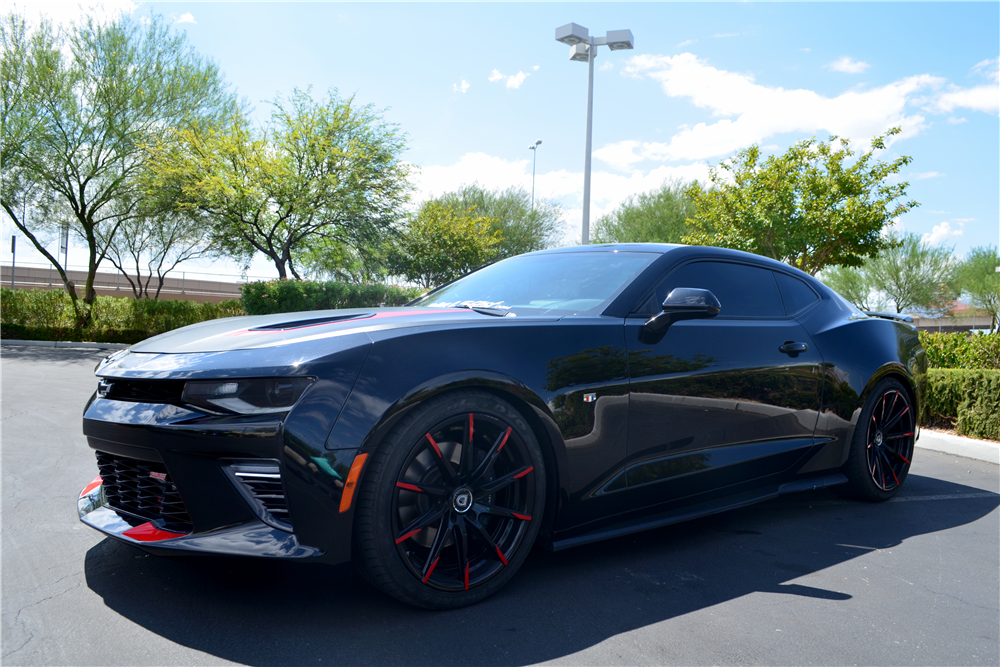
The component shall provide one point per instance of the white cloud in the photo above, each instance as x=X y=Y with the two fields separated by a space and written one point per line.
x=759 y=112
x=925 y=175
x=536 y=67
x=989 y=69
x=186 y=18
x=608 y=189
x=462 y=87
x=957 y=121
x=513 y=81
x=945 y=231
x=848 y=66
x=984 y=98
x=726 y=34
x=685 y=43
x=606 y=66
x=805 y=49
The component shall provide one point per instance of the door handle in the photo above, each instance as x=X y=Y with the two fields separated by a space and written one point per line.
x=793 y=349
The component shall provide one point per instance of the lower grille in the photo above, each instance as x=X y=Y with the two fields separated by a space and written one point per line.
x=142 y=491
x=259 y=482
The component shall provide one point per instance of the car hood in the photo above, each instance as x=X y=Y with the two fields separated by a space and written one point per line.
x=243 y=333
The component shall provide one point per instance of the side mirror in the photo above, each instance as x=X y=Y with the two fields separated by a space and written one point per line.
x=683 y=303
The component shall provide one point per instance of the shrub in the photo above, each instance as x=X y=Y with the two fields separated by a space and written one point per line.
x=289 y=296
x=960 y=350
x=967 y=400
x=48 y=315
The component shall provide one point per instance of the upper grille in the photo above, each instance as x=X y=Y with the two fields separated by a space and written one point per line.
x=145 y=391
x=129 y=486
x=259 y=481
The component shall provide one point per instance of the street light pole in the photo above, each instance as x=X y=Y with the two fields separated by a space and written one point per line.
x=591 y=54
x=583 y=47
x=534 y=155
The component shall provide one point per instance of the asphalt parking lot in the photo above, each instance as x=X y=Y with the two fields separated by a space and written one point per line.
x=803 y=580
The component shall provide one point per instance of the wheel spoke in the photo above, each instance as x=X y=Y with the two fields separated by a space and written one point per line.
x=422 y=488
x=483 y=508
x=420 y=524
x=467 y=459
x=446 y=469
x=889 y=463
x=896 y=454
x=501 y=482
x=487 y=464
x=462 y=547
x=898 y=436
x=896 y=419
x=435 y=553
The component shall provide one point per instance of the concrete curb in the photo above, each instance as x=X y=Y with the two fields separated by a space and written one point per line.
x=981 y=450
x=64 y=343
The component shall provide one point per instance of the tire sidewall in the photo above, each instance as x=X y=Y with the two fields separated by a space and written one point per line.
x=857 y=466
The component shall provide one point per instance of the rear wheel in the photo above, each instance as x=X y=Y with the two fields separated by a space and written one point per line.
x=452 y=502
x=882 y=448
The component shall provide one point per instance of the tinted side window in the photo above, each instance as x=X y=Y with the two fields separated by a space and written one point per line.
x=796 y=294
x=743 y=291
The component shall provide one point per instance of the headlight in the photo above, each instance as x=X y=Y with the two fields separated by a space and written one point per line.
x=247 y=397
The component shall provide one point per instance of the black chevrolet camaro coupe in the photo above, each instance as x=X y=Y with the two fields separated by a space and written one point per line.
x=555 y=398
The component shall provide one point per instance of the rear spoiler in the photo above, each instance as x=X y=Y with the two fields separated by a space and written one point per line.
x=892 y=316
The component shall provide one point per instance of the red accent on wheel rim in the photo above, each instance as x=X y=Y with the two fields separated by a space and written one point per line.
x=470 y=428
x=407 y=536
x=466 y=576
x=505 y=436
x=408 y=487
x=522 y=474
x=522 y=517
x=430 y=571
x=502 y=559
x=435 y=446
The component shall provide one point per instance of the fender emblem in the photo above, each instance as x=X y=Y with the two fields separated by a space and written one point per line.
x=162 y=476
x=589 y=398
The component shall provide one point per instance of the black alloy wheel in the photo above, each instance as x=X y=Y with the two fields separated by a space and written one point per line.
x=883 y=443
x=452 y=503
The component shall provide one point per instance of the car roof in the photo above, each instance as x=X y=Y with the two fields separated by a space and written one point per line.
x=658 y=248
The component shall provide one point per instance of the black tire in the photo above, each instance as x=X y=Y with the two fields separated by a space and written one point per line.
x=882 y=447
x=440 y=530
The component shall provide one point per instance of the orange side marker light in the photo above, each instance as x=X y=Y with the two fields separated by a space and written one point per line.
x=352 y=482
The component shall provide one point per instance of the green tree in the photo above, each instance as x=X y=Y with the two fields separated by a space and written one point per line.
x=95 y=97
x=327 y=170
x=980 y=281
x=439 y=244
x=807 y=207
x=909 y=275
x=657 y=216
x=521 y=228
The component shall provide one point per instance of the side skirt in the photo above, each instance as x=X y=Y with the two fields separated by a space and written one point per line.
x=697 y=511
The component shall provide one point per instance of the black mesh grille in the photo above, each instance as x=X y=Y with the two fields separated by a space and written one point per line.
x=261 y=480
x=142 y=489
x=147 y=391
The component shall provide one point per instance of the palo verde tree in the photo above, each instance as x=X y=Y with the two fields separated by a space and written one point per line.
x=816 y=205
x=521 y=228
x=658 y=216
x=439 y=244
x=910 y=275
x=320 y=170
x=95 y=97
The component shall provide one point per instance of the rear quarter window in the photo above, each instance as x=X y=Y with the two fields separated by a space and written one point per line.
x=795 y=294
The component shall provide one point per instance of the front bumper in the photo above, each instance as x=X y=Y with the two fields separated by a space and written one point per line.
x=253 y=538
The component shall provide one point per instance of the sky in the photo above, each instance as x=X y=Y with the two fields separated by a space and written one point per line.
x=474 y=84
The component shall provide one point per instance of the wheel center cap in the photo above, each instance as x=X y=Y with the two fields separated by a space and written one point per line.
x=878 y=438
x=462 y=500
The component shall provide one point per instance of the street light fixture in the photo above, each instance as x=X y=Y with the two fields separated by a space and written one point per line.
x=583 y=48
x=534 y=155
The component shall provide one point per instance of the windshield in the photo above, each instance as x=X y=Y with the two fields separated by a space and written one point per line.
x=547 y=284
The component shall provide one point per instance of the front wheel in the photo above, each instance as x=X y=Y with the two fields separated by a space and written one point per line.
x=452 y=502
x=883 y=443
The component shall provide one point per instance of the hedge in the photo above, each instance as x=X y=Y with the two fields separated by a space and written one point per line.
x=963 y=399
x=48 y=315
x=289 y=296
x=960 y=350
